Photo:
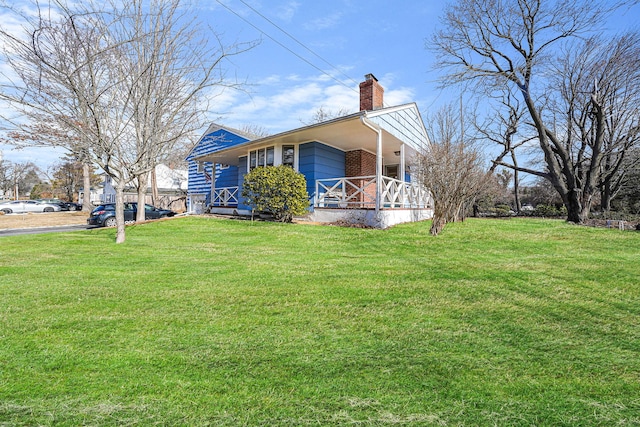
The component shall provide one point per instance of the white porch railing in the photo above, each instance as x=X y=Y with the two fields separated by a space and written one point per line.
x=226 y=196
x=360 y=192
x=108 y=198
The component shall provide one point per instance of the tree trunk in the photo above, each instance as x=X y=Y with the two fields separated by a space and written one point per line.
x=437 y=224
x=605 y=196
x=516 y=183
x=142 y=196
x=574 y=210
x=578 y=206
x=154 y=187
x=86 y=183
x=120 y=233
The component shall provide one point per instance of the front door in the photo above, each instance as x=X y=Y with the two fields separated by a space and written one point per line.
x=391 y=171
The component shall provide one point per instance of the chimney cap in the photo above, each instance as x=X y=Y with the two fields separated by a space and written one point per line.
x=370 y=76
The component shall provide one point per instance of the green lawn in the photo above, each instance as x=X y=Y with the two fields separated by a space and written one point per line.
x=199 y=321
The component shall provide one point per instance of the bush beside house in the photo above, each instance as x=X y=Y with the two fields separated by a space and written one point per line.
x=277 y=190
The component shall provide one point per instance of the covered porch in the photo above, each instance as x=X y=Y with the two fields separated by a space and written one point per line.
x=348 y=193
x=351 y=200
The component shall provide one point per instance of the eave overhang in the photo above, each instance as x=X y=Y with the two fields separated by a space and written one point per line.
x=399 y=125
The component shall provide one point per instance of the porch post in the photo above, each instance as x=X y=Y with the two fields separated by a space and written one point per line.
x=402 y=176
x=401 y=172
x=379 y=172
x=378 y=131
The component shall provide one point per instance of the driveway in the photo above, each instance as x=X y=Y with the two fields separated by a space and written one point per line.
x=42 y=230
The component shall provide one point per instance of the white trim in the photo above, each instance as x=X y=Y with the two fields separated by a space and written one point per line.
x=277 y=154
x=377 y=130
x=402 y=174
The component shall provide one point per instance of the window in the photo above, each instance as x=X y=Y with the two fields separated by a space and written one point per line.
x=288 y=155
x=270 y=156
x=262 y=157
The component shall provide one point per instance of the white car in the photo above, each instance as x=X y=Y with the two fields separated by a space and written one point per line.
x=21 y=206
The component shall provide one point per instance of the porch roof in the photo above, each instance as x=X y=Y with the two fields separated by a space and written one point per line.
x=400 y=125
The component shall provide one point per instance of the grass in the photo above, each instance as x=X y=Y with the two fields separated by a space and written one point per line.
x=198 y=321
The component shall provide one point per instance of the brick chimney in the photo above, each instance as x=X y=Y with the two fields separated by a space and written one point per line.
x=371 y=94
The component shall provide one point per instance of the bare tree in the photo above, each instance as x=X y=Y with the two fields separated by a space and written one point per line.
x=124 y=79
x=323 y=114
x=503 y=128
x=167 y=70
x=452 y=169
x=520 y=43
x=19 y=178
x=5 y=177
x=255 y=131
x=628 y=196
x=61 y=76
x=43 y=130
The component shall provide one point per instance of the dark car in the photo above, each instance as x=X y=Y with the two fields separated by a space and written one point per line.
x=64 y=205
x=105 y=215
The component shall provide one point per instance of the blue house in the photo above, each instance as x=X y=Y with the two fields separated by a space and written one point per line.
x=357 y=167
x=206 y=176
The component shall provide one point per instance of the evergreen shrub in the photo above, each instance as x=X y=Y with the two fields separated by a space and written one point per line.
x=276 y=190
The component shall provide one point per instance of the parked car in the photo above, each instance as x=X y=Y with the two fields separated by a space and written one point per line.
x=64 y=205
x=73 y=206
x=105 y=215
x=22 y=206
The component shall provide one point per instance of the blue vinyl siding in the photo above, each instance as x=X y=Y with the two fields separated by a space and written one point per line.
x=227 y=177
x=197 y=182
x=210 y=143
x=242 y=170
x=319 y=161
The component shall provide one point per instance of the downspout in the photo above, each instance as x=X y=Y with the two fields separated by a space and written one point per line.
x=376 y=129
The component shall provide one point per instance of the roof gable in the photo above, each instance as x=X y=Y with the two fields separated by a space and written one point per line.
x=216 y=138
x=404 y=122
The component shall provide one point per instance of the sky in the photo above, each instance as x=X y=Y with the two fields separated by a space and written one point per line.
x=313 y=54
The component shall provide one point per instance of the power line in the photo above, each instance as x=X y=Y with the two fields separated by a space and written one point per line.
x=299 y=42
x=286 y=48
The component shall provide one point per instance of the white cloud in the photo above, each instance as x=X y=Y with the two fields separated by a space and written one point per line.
x=43 y=157
x=270 y=80
x=399 y=96
x=324 y=23
x=287 y=11
x=285 y=103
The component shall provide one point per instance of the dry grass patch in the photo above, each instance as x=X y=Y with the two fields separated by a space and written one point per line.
x=29 y=220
